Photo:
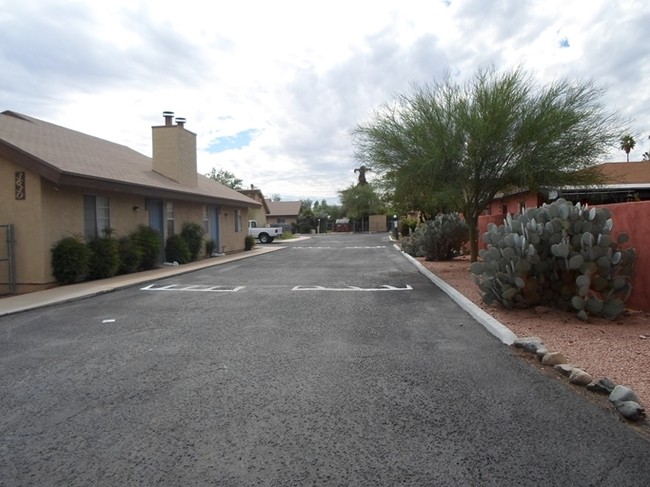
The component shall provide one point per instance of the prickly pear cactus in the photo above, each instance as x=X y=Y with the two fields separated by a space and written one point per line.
x=560 y=255
x=441 y=238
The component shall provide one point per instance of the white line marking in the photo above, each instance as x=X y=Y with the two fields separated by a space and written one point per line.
x=195 y=288
x=385 y=287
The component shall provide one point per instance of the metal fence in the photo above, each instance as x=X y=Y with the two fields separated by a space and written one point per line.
x=7 y=262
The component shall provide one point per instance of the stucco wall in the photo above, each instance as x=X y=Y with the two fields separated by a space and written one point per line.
x=49 y=213
x=26 y=217
x=231 y=241
x=377 y=223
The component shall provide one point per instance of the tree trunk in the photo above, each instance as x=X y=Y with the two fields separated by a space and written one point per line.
x=472 y=225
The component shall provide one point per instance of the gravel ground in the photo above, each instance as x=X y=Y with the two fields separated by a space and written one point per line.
x=619 y=349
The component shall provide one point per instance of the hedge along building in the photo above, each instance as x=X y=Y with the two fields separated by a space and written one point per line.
x=56 y=182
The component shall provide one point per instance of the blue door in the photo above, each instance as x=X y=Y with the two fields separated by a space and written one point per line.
x=157 y=222
x=213 y=227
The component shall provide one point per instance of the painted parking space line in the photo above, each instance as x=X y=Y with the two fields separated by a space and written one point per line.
x=194 y=288
x=316 y=247
x=384 y=287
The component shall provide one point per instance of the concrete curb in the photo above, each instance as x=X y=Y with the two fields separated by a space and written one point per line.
x=495 y=327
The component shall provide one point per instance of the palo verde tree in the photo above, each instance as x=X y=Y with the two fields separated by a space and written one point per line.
x=465 y=143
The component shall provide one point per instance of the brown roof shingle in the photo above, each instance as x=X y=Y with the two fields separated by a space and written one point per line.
x=56 y=152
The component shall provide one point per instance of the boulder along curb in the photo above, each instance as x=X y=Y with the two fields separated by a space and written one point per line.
x=623 y=398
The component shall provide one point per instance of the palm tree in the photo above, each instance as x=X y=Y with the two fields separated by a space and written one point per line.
x=627 y=144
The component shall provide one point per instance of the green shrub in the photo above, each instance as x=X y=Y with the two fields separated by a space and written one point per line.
x=70 y=259
x=407 y=226
x=210 y=247
x=411 y=246
x=443 y=238
x=287 y=235
x=305 y=228
x=193 y=233
x=147 y=241
x=177 y=250
x=130 y=256
x=249 y=242
x=104 y=257
x=559 y=255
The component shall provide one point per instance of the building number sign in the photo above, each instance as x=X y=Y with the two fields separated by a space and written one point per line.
x=20 y=185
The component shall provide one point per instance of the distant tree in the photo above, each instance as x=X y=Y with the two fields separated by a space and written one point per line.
x=225 y=177
x=360 y=201
x=627 y=144
x=275 y=197
x=458 y=146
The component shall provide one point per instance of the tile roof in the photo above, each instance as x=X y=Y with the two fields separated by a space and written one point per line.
x=57 y=152
x=626 y=172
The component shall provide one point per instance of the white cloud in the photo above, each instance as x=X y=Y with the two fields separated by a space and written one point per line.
x=297 y=76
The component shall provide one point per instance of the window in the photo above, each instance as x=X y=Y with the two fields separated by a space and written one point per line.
x=97 y=216
x=281 y=220
x=170 y=218
x=237 y=220
x=205 y=220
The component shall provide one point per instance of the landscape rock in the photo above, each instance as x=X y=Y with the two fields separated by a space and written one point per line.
x=622 y=394
x=631 y=410
x=602 y=385
x=541 y=351
x=564 y=369
x=580 y=377
x=540 y=310
x=528 y=344
x=554 y=358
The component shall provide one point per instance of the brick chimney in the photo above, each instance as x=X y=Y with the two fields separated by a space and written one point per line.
x=174 y=151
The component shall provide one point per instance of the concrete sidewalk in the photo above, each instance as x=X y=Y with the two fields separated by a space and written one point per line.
x=61 y=294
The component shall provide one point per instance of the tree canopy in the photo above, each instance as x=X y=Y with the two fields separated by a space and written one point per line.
x=360 y=201
x=450 y=146
x=225 y=177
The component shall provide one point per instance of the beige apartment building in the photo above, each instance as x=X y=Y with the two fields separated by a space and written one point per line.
x=56 y=182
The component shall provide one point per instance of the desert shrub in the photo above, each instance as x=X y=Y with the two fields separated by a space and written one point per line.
x=130 y=256
x=407 y=226
x=70 y=259
x=411 y=246
x=305 y=227
x=147 y=241
x=177 y=250
x=249 y=242
x=104 y=257
x=559 y=255
x=193 y=233
x=210 y=247
x=442 y=238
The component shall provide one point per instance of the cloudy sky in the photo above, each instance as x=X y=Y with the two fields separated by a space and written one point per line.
x=273 y=88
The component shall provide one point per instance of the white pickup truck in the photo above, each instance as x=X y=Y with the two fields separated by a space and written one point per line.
x=264 y=234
